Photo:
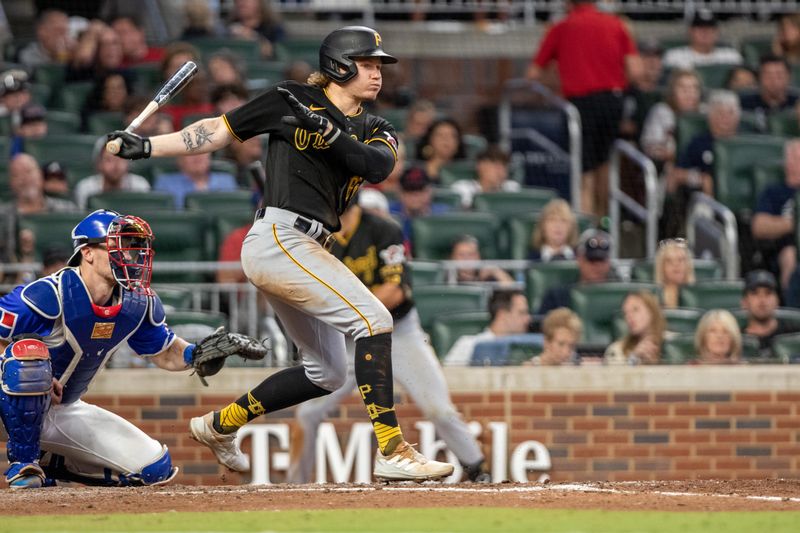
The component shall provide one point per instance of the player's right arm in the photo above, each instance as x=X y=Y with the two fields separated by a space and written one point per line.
x=205 y=135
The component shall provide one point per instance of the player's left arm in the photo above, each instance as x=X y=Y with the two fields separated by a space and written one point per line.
x=172 y=358
x=394 y=287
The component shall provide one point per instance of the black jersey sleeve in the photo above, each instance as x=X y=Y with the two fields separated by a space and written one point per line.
x=372 y=159
x=260 y=115
x=392 y=267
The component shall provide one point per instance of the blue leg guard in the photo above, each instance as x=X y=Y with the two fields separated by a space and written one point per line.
x=58 y=468
x=24 y=398
x=159 y=472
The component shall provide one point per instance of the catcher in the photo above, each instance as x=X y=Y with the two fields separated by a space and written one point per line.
x=57 y=332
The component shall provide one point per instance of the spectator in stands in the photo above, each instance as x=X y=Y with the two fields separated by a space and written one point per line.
x=226 y=68
x=195 y=176
x=26 y=181
x=14 y=94
x=787 y=39
x=55 y=180
x=508 y=311
x=107 y=57
x=646 y=325
x=684 y=92
x=775 y=214
x=491 y=168
x=562 y=330
x=741 y=79
x=673 y=268
x=466 y=248
x=761 y=301
x=646 y=91
x=175 y=55
x=200 y=22
x=54 y=259
x=774 y=91
x=718 y=339
x=702 y=49
x=32 y=125
x=110 y=93
x=416 y=200
x=441 y=144
x=256 y=20
x=555 y=235
x=112 y=175
x=231 y=251
x=227 y=97
x=694 y=168
x=195 y=101
x=419 y=117
x=594 y=265
x=155 y=124
x=135 y=49
x=596 y=59
x=298 y=71
x=53 y=42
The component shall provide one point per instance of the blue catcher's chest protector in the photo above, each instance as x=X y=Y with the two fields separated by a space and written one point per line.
x=89 y=339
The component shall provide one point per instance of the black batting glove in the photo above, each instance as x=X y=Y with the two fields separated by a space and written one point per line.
x=306 y=119
x=133 y=146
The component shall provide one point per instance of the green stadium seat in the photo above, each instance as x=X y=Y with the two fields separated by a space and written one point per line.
x=448 y=197
x=704 y=269
x=766 y=173
x=41 y=93
x=755 y=47
x=63 y=122
x=507 y=351
x=543 y=276
x=712 y=295
x=51 y=75
x=473 y=145
x=691 y=124
x=787 y=347
x=425 y=273
x=73 y=151
x=457 y=170
x=447 y=329
x=148 y=77
x=396 y=117
x=180 y=236
x=789 y=315
x=673 y=42
x=734 y=160
x=206 y=318
x=678 y=350
x=433 y=236
x=294 y=49
x=596 y=304
x=222 y=225
x=518 y=230
x=72 y=96
x=434 y=301
x=784 y=124
x=235 y=207
x=174 y=297
x=102 y=122
x=52 y=230
x=508 y=204
x=5 y=129
x=713 y=76
x=250 y=51
x=132 y=202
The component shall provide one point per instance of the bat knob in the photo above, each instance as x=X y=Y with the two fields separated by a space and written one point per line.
x=113 y=147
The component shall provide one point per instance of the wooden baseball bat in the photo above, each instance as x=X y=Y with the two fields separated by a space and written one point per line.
x=173 y=86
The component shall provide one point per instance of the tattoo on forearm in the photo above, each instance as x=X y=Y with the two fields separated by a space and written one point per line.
x=201 y=136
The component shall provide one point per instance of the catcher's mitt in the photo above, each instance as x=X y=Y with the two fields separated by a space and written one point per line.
x=209 y=355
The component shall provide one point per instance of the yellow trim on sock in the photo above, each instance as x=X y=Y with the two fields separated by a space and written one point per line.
x=385 y=433
x=233 y=416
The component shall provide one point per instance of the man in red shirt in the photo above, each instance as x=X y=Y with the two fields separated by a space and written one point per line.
x=596 y=58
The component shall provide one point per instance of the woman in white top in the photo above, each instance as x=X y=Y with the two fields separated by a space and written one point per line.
x=684 y=91
x=718 y=339
x=556 y=233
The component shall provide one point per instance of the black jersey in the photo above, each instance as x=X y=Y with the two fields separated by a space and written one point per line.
x=304 y=173
x=375 y=253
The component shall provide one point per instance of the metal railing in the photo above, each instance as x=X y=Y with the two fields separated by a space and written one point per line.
x=647 y=213
x=573 y=128
x=704 y=208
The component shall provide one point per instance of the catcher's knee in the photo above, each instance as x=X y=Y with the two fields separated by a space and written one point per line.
x=158 y=472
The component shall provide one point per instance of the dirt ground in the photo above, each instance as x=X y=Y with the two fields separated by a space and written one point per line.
x=741 y=495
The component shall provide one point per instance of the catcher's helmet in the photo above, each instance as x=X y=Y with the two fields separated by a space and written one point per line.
x=342 y=46
x=91 y=230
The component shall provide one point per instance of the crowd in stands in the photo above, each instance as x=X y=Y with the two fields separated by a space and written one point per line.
x=572 y=303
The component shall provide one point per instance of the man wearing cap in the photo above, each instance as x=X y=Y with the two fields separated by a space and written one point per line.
x=702 y=49
x=774 y=94
x=594 y=266
x=416 y=200
x=596 y=59
x=14 y=94
x=112 y=175
x=32 y=125
x=760 y=300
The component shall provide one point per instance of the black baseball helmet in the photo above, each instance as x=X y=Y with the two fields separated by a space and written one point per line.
x=342 y=46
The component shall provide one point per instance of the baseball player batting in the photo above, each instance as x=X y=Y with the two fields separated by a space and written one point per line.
x=323 y=145
x=56 y=333
x=372 y=248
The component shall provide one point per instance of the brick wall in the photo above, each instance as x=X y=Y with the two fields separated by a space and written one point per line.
x=644 y=427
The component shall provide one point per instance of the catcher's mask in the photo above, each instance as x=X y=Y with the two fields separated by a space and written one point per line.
x=342 y=47
x=130 y=250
